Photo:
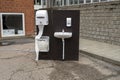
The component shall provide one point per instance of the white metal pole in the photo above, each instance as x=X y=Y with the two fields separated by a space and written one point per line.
x=63 y=56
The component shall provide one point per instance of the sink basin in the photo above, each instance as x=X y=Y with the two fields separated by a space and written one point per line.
x=63 y=34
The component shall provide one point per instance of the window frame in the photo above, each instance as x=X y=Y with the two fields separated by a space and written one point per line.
x=43 y=3
x=78 y=2
x=23 y=25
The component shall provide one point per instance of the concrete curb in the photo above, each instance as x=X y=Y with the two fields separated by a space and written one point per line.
x=101 y=57
x=6 y=43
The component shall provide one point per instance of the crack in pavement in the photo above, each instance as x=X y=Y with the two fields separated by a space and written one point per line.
x=30 y=76
x=30 y=71
x=39 y=68
x=110 y=76
x=76 y=76
x=14 y=72
x=36 y=68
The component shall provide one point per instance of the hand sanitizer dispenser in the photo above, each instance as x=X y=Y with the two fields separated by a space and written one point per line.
x=41 y=21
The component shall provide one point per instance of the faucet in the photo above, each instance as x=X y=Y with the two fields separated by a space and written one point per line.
x=63 y=30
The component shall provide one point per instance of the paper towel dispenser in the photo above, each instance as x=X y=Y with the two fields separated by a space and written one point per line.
x=41 y=17
x=41 y=43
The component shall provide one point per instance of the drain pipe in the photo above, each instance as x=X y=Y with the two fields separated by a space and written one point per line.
x=63 y=41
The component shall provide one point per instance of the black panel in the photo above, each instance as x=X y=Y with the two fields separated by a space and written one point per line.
x=57 y=22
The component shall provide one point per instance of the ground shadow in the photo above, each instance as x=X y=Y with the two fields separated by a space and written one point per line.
x=70 y=70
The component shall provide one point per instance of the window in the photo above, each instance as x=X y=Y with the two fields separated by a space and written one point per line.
x=88 y=1
x=81 y=1
x=95 y=0
x=65 y=2
x=54 y=3
x=37 y=2
x=71 y=2
x=103 y=0
x=44 y=2
x=74 y=2
x=58 y=2
x=40 y=4
x=12 y=24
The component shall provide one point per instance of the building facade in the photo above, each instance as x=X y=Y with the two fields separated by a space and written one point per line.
x=38 y=4
x=16 y=18
x=99 y=19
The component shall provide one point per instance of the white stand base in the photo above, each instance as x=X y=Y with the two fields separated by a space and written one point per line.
x=41 y=28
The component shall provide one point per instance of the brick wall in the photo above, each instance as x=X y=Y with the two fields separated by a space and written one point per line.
x=20 y=6
x=99 y=21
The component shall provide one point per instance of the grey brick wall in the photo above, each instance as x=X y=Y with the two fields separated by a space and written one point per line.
x=99 y=21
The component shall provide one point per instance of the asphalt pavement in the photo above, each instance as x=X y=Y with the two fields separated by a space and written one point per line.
x=17 y=62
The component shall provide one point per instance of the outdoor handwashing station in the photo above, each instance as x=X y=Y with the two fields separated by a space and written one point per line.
x=58 y=35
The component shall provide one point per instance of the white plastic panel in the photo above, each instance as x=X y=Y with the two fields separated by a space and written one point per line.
x=43 y=44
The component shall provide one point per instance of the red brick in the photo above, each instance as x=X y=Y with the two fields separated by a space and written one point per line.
x=20 y=6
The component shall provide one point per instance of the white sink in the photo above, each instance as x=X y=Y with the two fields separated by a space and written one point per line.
x=63 y=34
